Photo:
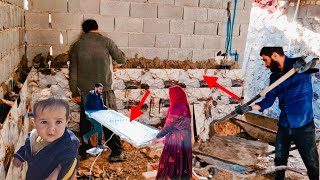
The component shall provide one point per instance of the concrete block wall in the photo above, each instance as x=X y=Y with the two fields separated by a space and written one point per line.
x=168 y=29
x=11 y=36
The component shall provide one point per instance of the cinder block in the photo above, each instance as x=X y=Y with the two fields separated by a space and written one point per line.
x=203 y=54
x=187 y=2
x=105 y=23
x=223 y=26
x=161 y=1
x=121 y=39
x=180 y=54
x=247 y=4
x=242 y=16
x=181 y=27
x=238 y=43
x=142 y=10
x=59 y=49
x=244 y=30
x=45 y=37
x=156 y=25
x=216 y=4
x=73 y=36
x=84 y=6
x=123 y=24
x=214 y=42
x=170 y=12
x=37 y=20
x=217 y=15
x=133 y=0
x=142 y=40
x=66 y=21
x=168 y=40
x=151 y=53
x=48 y=5
x=133 y=52
x=313 y=11
x=195 y=42
x=32 y=51
x=203 y=28
x=114 y=8
x=240 y=4
x=195 y=13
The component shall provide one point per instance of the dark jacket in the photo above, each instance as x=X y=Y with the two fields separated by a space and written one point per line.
x=63 y=151
x=90 y=62
x=94 y=101
x=295 y=97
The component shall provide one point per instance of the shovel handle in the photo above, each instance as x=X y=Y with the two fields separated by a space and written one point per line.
x=276 y=83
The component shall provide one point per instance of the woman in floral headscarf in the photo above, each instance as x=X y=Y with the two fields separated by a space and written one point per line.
x=176 y=158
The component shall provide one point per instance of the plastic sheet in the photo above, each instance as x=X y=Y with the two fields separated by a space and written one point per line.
x=133 y=132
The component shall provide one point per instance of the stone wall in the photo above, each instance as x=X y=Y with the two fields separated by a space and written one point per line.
x=276 y=30
x=168 y=29
x=11 y=36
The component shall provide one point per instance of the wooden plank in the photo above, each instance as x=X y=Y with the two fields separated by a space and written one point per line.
x=233 y=149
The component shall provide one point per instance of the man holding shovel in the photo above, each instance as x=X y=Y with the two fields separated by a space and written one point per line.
x=295 y=102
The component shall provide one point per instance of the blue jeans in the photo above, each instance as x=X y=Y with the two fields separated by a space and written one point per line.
x=97 y=128
x=304 y=139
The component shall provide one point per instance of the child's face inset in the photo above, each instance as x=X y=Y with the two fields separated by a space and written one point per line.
x=51 y=123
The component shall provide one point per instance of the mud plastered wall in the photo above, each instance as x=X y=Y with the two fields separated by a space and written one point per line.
x=168 y=29
x=11 y=36
x=277 y=29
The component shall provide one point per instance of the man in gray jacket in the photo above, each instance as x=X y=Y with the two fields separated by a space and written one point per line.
x=90 y=62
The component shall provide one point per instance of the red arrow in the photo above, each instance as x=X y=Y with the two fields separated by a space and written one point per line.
x=212 y=81
x=135 y=111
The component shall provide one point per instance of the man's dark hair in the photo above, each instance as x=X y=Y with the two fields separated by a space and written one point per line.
x=50 y=102
x=98 y=85
x=89 y=25
x=268 y=51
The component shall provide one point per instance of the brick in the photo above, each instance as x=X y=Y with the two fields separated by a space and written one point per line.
x=161 y=1
x=121 y=39
x=73 y=36
x=170 y=12
x=181 y=27
x=203 y=54
x=217 y=15
x=45 y=37
x=156 y=25
x=238 y=43
x=151 y=53
x=242 y=16
x=222 y=29
x=217 y=4
x=203 y=28
x=195 y=42
x=48 y=5
x=133 y=0
x=168 y=41
x=123 y=24
x=37 y=20
x=132 y=52
x=214 y=42
x=313 y=11
x=105 y=23
x=84 y=6
x=142 y=40
x=66 y=21
x=195 y=13
x=143 y=10
x=114 y=8
x=180 y=54
x=186 y=2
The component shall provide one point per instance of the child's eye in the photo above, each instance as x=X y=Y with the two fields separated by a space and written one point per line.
x=43 y=122
x=59 y=122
